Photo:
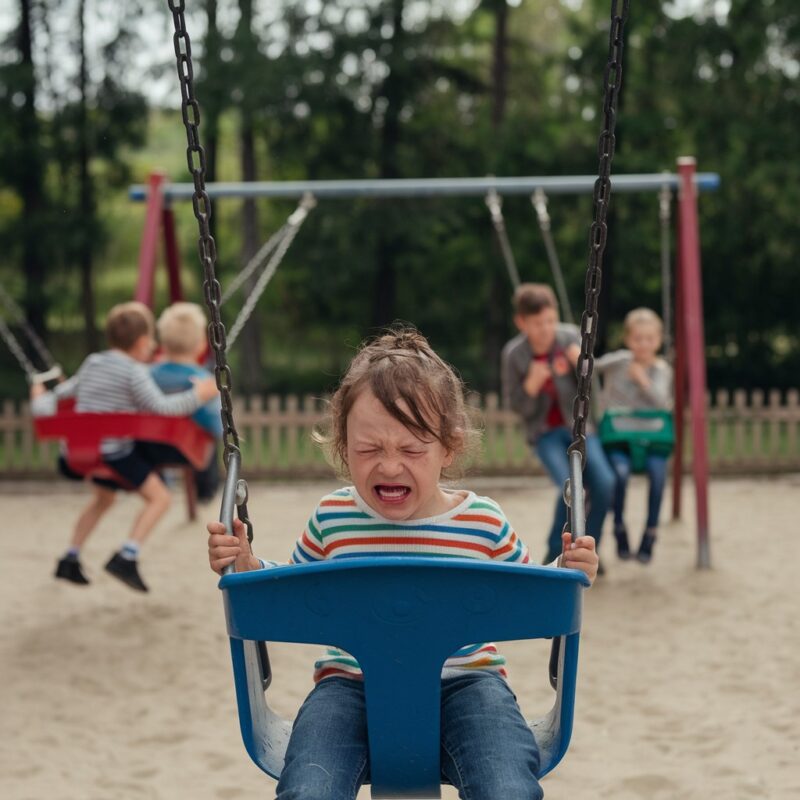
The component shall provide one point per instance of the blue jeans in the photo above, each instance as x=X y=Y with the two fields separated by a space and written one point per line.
x=488 y=751
x=656 y=469
x=599 y=480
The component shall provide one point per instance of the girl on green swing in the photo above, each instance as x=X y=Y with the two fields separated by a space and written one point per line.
x=637 y=378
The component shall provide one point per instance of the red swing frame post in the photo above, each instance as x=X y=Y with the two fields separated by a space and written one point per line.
x=159 y=219
x=690 y=360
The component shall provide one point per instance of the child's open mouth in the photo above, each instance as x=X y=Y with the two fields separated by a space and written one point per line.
x=391 y=492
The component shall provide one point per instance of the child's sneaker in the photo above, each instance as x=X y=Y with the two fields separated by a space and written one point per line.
x=646 y=546
x=623 y=546
x=69 y=568
x=126 y=570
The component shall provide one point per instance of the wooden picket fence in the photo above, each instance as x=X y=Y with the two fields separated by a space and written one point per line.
x=747 y=434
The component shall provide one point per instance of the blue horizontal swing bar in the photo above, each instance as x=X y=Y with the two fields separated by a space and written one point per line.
x=429 y=187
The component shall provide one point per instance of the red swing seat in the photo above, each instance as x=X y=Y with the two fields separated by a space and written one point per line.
x=82 y=434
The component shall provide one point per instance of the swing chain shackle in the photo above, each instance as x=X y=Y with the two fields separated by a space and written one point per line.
x=612 y=81
x=539 y=202
x=201 y=204
x=299 y=215
x=495 y=205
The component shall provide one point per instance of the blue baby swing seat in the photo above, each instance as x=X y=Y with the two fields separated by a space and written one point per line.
x=400 y=617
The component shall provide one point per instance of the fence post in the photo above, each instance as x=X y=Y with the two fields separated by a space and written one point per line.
x=792 y=419
x=775 y=416
x=757 y=425
x=274 y=430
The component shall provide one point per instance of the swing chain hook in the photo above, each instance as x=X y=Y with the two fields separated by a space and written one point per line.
x=201 y=204
x=539 y=201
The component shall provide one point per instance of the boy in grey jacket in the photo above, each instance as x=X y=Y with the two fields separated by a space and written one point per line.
x=539 y=383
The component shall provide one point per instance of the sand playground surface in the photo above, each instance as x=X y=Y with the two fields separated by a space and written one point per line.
x=688 y=685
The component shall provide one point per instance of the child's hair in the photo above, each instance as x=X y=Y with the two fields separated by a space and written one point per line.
x=182 y=329
x=400 y=365
x=531 y=298
x=127 y=322
x=642 y=316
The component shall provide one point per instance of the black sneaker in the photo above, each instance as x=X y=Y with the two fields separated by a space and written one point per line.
x=646 y=546
x=69 y=568
x=623 y=546
x=127 y=571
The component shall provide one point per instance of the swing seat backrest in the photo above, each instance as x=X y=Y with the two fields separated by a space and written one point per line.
x=400 y=617
x=82 y=434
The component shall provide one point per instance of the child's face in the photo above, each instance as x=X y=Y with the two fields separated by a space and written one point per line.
x=540 y=329
x=643 y=340
x=396 y=473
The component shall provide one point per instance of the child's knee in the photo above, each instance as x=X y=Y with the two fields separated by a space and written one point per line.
x=622 y=470
x=104 y=498
x=155 y=492
x=603 y=484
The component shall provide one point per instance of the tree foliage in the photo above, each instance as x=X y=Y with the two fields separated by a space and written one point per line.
x=371 y=88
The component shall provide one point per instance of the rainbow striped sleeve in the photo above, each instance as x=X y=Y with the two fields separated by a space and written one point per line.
x=309 y=546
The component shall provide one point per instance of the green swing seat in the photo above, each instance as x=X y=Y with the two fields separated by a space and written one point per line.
x=643 y=432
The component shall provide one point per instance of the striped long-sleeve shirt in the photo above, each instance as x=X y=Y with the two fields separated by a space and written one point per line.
x=344 y=526
x=112 y=382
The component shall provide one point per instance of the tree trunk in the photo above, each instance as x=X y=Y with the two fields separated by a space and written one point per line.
x=388 y=239
x=499 y=64
x=31 y=187
x=498 y=311
x=213 y=105
x=252 y=375
x=86 y=206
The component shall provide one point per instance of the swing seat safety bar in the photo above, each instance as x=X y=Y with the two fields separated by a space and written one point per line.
x=400 y=617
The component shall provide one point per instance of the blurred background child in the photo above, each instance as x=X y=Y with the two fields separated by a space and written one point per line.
x=637 y=378
x=183 y=338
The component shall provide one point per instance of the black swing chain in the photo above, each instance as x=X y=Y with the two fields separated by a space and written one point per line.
x=612 y=80
x=201 y=203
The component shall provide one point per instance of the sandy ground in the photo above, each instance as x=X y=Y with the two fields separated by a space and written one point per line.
x=688 y=684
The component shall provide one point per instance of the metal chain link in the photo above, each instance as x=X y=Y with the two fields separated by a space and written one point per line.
x=539 y=202
x=19 y=316
x=293 y=225
x=201 y=204
x=612 y=80
x=495 y=205
x=17 y=351
x=255 y=263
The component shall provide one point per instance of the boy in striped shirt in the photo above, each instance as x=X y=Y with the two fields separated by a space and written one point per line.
x=118 y=380
x=398 y=425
